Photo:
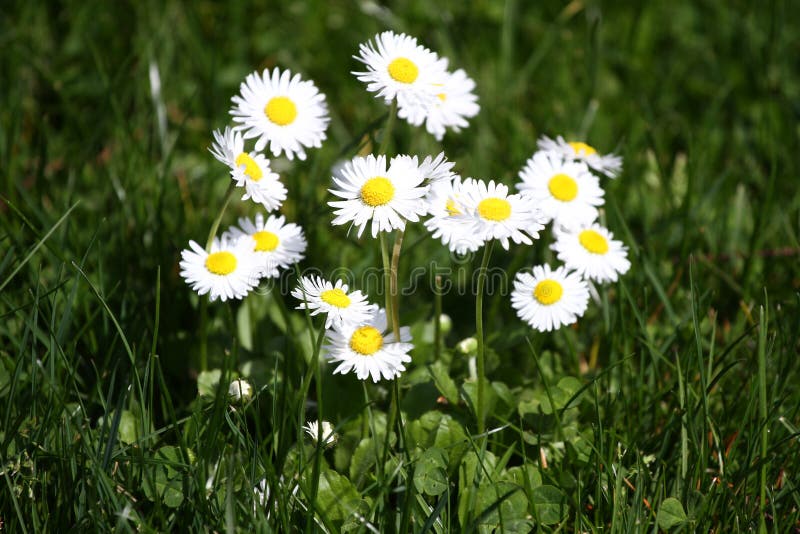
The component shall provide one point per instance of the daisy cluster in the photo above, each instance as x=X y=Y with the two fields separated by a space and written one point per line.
x=285 y=114
x=358 y=336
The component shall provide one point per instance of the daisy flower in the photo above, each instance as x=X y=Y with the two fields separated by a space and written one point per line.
x=281 y=111
x=449 y=221
x=368 y=350
x=387 y=197
x=248 y=170
x=274 y=242
x=399 y=67
x=610 y=164
x=498 y=215
x=437 y=169
x=565 y=190
x=455 y=102
x=548 y=299
x=329 y=437
x=229 y=271
x=593 y=252
x=339 y=303
x=240 y=391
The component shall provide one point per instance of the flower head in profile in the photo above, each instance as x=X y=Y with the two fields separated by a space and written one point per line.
x=229 y=271
x=335 y=300
x=498 y=215
x=276 y=243
x=329 y=437
x=249 y=170
x=368 y=350
x=371 y=192
x=449 y=220
x=565 y=190
x=609 y=164
x=282 y=112
x=592 y=252
x=240 y=391
x=398 y=67
x=455 y=102
x=547 y=299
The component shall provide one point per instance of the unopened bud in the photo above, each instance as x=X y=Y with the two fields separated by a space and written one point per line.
x=240 y=391
x=467 y=346
x=445 y=323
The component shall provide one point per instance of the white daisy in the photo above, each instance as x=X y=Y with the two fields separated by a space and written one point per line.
x=498 y=215
x=437 y=169
x=610 y=164
x=329 y=437
x=399 y=67
x=455 y=102
x=548 y=299
x=593 y=252
x=277 y=244
x=240 y=391
x=339 y=303
x=249 y=170
x=449 y=220
x=229 y=271
x=370 y=191
x=282 y=111
x=366 y=349
x=565 y=190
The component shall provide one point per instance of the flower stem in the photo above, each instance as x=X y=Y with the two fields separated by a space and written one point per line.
x=204 y=300
x=437 y=320
x=398 y=243
x=387 y=130
x=487 y=252
x=387 y=278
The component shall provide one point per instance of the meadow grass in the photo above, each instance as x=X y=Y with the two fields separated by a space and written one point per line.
x=673 y=405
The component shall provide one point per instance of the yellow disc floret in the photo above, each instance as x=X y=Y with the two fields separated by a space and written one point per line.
x=266 y=241
x=582 y=149
x=494 y=209
x=563 y=187
x=221 y=263
x=377 y=191
x=366 y=340
x=452 y=207
x=403 y=70
x=593 y=241
x=548 y=292
x=281 y=110
x=251 y=168
x=335 y=297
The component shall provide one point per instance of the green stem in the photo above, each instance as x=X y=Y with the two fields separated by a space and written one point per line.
x=762 y=401
x=387 y=278
x=387 y=130
x=437 y=320
x=320 y=441
x=204 y=300
x=487 y=252
x=393 y=290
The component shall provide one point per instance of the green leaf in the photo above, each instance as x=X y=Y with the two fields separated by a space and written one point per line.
x=337 y=498
x=430 y=473
x=364 y=457
x=670 y=514
x=128 y=428
x=549 y=504
x=207 y=382
x=446 y=386
x=502 y=507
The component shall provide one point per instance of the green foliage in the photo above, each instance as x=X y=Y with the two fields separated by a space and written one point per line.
x=669 y=405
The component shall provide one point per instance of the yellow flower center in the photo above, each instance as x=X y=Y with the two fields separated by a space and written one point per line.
x=281 y=110
x=266 y=241
x=494 y=209
x=221 y=263
x=403 y=70
x=442 y=97
x=548 y=292
x=593 y=242
x=563 y=187
x=335 y=297
x=377 y=191
x=251 y=168
x=452 y=207
x=366 y=340
x=582 y=148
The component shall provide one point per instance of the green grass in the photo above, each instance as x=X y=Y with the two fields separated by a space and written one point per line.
x=679 y=394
